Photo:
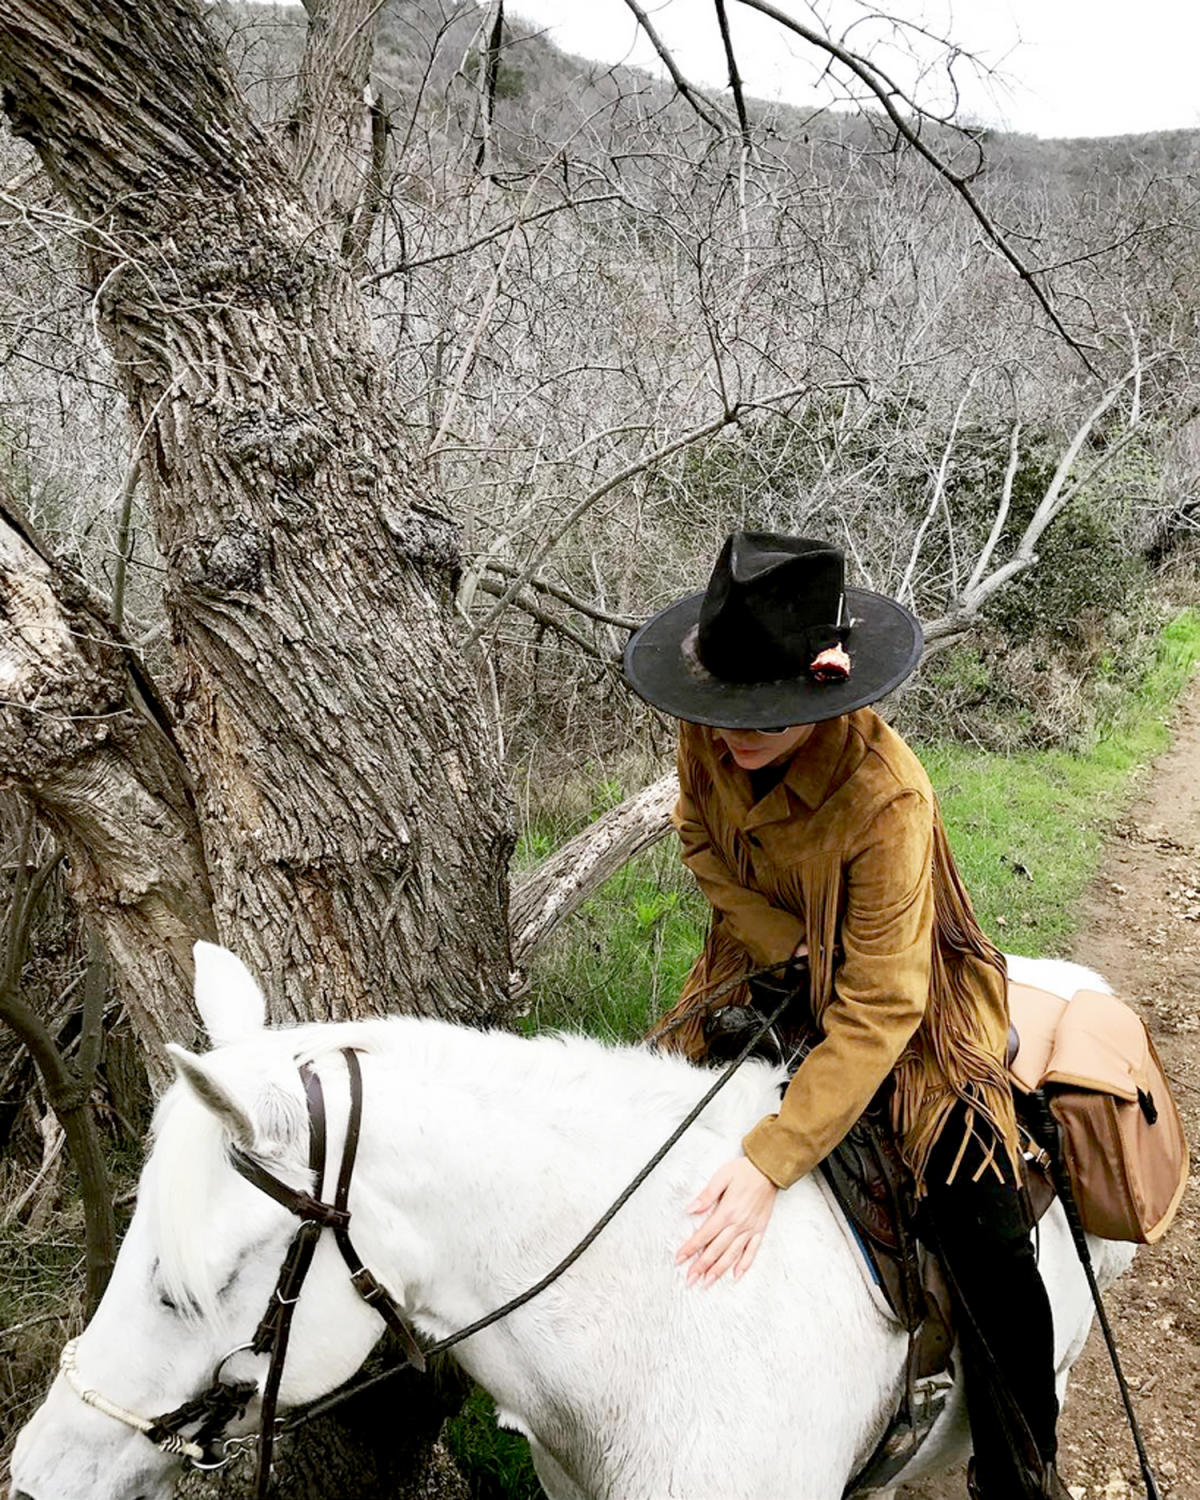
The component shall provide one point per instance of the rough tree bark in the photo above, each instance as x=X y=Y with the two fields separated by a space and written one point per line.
x=333 y=134
x=355 y=831
x=85 y=738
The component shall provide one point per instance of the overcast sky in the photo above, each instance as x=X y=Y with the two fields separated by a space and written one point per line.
x=1068 y=67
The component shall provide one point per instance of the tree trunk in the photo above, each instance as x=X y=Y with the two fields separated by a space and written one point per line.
x=354 y=827
x=333 y=137
x=354 y=830
x=85 y=739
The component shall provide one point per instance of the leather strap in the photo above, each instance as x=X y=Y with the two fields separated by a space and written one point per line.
x=275 y=1327
x=316 y=1215
x=366 y=1284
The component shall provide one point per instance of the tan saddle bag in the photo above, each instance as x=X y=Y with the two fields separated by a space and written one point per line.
x=1122 y=1137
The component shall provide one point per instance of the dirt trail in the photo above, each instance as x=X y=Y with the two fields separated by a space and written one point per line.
x=1141 y=929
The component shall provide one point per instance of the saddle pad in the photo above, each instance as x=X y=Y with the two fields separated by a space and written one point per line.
x=1036 y=1015
x=869 y=1274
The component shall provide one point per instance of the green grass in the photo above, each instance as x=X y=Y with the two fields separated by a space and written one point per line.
x=1027 y=829
x=496 y=1464
x=621 y=960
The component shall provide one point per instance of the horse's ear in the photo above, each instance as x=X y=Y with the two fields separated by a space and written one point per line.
x=230 y=1003
x=214 y=1094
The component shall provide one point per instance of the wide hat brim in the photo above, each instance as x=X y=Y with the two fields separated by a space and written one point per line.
x=885 y=645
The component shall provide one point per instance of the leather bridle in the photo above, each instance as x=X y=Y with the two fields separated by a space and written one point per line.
x=223 y=1401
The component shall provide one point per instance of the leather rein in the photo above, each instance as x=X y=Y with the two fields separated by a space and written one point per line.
x=223 y=1401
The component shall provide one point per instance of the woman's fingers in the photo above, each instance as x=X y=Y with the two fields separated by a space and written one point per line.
x=746 y=1259
x=738 y=1200
x=703 y=1237
x=730 y=1257
x=716 y=1247
x=710 y=1196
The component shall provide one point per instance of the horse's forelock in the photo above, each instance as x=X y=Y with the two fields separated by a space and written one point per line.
x=184 y=1175
x=190 y=1153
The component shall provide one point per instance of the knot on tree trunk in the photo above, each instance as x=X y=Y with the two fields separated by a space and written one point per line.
x=277 y=445
x=425 y=537
x=234 y=563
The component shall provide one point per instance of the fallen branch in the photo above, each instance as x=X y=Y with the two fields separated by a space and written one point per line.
x=561 y=883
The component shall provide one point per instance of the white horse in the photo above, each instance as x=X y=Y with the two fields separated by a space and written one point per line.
x=483 y=1158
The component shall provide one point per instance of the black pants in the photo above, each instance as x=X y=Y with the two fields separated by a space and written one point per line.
x=980 y=1229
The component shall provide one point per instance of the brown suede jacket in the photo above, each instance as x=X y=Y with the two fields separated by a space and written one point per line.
x=847 y=854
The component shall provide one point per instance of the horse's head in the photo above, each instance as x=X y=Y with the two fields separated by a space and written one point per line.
x=198 y=1265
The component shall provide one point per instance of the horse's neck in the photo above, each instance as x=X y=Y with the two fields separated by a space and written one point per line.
x=478 y=1181
x=474 y=1184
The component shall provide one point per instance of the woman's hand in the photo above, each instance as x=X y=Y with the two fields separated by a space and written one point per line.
x=740 y=1198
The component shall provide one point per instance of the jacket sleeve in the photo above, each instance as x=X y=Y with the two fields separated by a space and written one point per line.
x=880 y=991
x=768 y=933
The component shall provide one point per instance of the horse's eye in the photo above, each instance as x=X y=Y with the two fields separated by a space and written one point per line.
x=165 y=1301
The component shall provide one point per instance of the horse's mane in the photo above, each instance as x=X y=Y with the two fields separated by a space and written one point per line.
x=559 y=1076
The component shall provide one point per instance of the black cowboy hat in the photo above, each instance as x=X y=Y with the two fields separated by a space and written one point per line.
x=775 y=640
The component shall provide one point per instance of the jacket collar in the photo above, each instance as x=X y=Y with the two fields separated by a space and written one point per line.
x=811 y=769
x=808 y=774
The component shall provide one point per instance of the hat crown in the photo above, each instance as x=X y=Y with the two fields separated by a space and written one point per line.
x=772 y=604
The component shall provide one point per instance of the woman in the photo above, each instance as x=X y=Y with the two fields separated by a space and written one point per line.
x=812 y=830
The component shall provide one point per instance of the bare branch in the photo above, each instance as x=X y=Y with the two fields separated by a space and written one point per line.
x=965 y=609
x=128 y=490
x=358 y=236
x=521 y=220
x=551 y=622
x=735 y=82
x=939 y=486
x=697 y=434
x=1010 y=474
x=489 y=73
x=710 y=113
x=67 y=1093
x=556 y=591
x=886 y=91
